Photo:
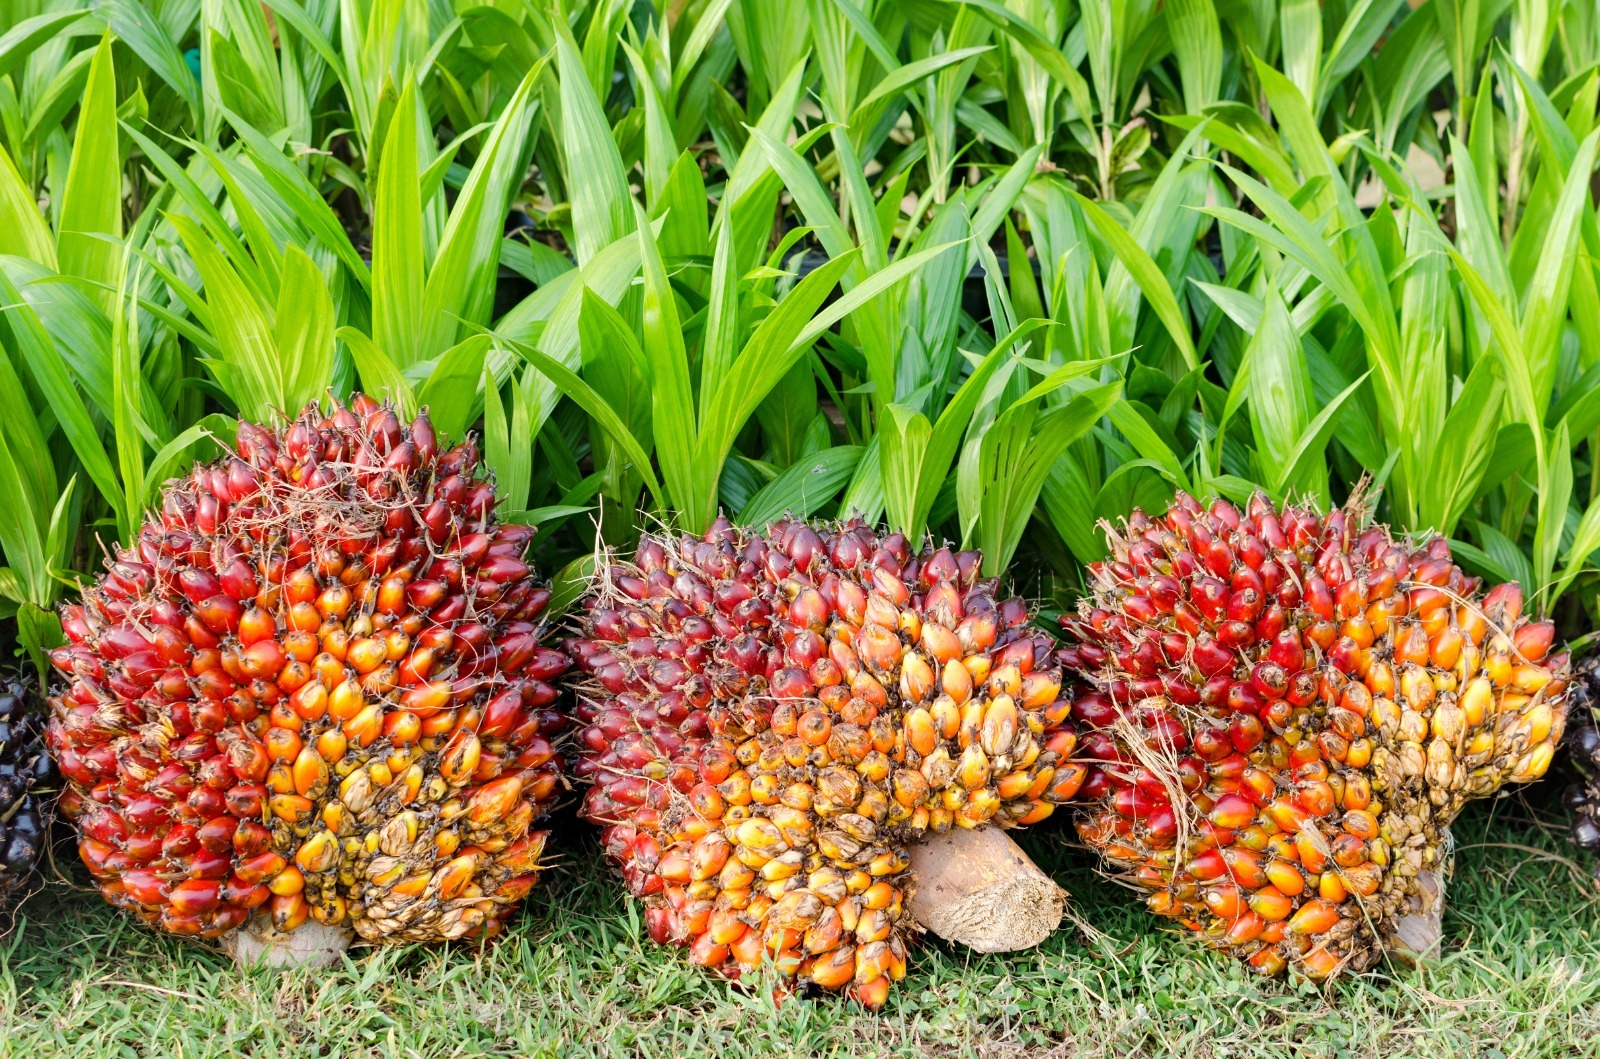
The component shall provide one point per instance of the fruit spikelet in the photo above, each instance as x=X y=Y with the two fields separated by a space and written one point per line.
x=314 y=687
x=771 y=718
x=26 y=772
x=1285 y=712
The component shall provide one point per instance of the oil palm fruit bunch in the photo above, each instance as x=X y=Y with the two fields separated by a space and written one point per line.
x=1286 y=711
x=1583 y=796
x=314 y=685
x=769 y=719
x=26 y=775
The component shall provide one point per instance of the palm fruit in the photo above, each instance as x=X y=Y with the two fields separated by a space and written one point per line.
x=770 y=719
x=1583 y=796
x=1285 y=712
x=26 y=772
x=314 y=686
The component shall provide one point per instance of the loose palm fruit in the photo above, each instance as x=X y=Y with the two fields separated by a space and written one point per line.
x=1284 y=714
x=26 y=774
x=314 y=686
x=769 y=719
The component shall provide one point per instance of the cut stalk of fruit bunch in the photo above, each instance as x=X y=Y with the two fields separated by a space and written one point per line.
x=26 y=777
x=1285 y=712
x=771 y=719
x=314 y=689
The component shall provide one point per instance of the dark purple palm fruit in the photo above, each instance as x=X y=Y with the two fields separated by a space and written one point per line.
x=26 y=776
x=1583 y=797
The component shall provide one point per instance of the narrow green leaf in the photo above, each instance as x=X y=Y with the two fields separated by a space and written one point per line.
x=300 y=197
x=1584 y=543
x=253 y=375
x=1197 y=44
x=601 y=207
x=1146 y=274
x=672 y=413
x=23 y=231
x=460 y=287
x=92 y=203
x=303 y=331
x=585 y=397
x=903 y=436
x=803 y=488
x=398 y=265
x=51 y=374
x=21 y=536
x=379 y=375
x=1555 y=493
x=451 y=392
x=22 y=39
x=1309 y=451
x=1147 y=442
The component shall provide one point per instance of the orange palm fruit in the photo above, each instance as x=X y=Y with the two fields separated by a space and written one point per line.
x=814 y=697
x=1309 y=701
x=301 y=610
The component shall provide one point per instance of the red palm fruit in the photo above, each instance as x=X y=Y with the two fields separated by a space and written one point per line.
x=1331 y=748
x=842 y=697
x=295 y=770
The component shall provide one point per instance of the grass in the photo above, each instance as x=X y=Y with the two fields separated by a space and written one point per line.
x=577 y=976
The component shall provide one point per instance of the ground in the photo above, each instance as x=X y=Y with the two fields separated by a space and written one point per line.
x=577 y=976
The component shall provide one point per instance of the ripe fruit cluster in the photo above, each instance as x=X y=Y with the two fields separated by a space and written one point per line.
x=1583 y=797
x=314 y=685
x=1285 y=713
x=25 y=770
x=770 y=718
